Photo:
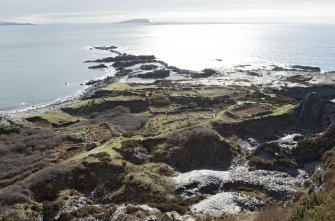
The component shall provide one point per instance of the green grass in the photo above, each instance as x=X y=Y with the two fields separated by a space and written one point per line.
x=282 y=110
x=278 y=111
x=109 y=147
x=56 y=118
x=162 y=123
x=125 y=86
x=98 y=101
x=84 y=103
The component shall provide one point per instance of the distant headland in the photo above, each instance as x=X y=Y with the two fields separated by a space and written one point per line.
x=13 y=23
x=135 y=21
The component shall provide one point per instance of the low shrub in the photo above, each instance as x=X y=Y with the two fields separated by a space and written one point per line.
x=46 y=184
x=43 y=185
x=86 y=211
x=160 y=100
x=9 y=130
x=315 y=207
x=14 y=194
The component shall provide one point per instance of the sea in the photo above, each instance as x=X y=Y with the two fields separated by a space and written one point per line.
x=43 y=64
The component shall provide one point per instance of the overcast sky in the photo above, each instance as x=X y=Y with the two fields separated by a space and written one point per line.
x=45 y=11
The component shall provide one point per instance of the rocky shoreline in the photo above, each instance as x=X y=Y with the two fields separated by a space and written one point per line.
x=176 y=145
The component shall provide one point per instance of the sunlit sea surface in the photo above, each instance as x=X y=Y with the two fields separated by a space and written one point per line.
x=43 y=63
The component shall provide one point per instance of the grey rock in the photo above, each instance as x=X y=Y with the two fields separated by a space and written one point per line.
x=148 y=67
x=158 y=74
x=279 y=185
x=230 y=203
x=314 y=113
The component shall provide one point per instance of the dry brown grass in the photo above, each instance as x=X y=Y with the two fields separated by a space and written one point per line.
x=273 y=213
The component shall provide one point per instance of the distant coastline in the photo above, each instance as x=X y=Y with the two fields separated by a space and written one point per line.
x=135 y=21
x=13 y=23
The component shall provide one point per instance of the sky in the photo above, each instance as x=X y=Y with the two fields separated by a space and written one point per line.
x=92 y=11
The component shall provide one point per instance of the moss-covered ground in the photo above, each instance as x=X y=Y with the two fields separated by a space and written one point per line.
x=93 y=135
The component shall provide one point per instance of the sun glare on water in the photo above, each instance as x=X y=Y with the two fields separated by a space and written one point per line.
x=203 y=45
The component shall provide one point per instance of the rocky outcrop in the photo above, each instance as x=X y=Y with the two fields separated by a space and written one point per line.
x=96 y=84
x=158 y=74
x=276 y=155
x=278 y=68
x=124 y=57
x=204 y=74
x=108 y=48
x=230 y=203
x=264 y=128
x=194 y=148
x=8 y=125
x=312 y=148
x=126 y=64
x=325 y=91
x=314 y=113
x=278 y=185
x=191 y=148
x=139 y=151
x=148 y=67
x=293 y=151
x=100 y=66
x=307 y=68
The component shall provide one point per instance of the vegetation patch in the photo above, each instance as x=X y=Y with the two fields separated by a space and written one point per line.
x=160 y=100
x=135 y=104
x=56 y=119
x=125 y=86
x=164 y=123
x=9 y=129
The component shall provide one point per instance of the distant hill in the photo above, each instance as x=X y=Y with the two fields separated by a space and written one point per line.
x=135 y=21
x=13 y=23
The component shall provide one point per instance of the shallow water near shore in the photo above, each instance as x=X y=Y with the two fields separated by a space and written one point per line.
x=43 y=63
